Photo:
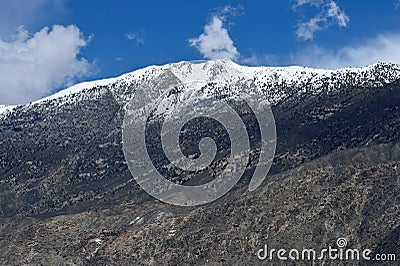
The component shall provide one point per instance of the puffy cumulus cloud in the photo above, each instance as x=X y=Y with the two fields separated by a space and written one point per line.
x=330 y=14
x=215 y=42
x=31 y=66
x=382 y=48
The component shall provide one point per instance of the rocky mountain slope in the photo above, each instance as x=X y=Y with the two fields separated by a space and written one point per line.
x=67 y=196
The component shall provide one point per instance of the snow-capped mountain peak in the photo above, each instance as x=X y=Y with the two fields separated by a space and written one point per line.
x=276 y=83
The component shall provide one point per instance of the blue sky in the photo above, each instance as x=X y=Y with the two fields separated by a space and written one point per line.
x=46 y=45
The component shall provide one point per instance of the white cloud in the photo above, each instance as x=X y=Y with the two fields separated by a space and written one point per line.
x=32 y=65
x=135 y=37
x=329 y=14
x=306 y=30
x=336 y=13
x=215 y=42
x=382 y=48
